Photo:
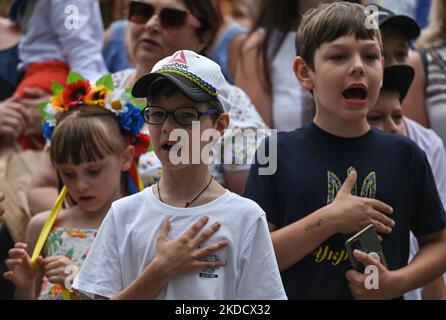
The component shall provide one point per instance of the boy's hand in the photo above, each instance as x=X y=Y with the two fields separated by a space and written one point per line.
x=352 y=213
x=182 y=255
x=21 y=271
x=55 y=267
x=382 y=283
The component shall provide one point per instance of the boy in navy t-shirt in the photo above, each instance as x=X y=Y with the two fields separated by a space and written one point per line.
x=310 y=212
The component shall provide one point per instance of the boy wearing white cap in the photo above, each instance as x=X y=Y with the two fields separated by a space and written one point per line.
x=182 y=91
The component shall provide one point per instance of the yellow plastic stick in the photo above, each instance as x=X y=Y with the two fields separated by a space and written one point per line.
x=46 y=229
x=48 y=225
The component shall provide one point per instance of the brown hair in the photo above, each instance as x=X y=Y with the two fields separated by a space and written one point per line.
x=329 y=22
x=208 y=13
x=272 y=16
x=86 y=134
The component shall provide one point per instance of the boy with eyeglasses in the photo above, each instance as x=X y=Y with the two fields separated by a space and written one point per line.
x=182 y=89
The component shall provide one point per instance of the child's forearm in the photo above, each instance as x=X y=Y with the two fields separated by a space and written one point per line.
x=436 y=290
x=428 y=264
x=295 y=241
x=147 y=285
x=25 y=293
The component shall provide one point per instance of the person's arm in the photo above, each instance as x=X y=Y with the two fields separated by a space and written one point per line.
x=250 y=77
x=347 y=214
x=42 y=190
x=173 y=258
x=414 y=105
x=26 y=277
x=436 y=290
x=82 y=44
x=428 y=264
x=234 y=52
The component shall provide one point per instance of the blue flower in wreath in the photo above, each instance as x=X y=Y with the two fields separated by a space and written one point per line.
x=48 y=129
x=131 y=120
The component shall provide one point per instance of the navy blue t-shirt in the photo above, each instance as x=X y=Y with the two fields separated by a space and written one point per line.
x=312 y=165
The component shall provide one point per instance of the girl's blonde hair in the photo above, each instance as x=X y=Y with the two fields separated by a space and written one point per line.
x=86 y=134
x=436 y=30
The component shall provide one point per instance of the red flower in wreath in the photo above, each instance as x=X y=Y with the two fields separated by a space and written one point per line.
x=74 y=93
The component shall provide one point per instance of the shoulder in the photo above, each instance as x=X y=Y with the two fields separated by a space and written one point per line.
x=397 y=144
x=35 y=227
x=245 y=208
x=133 y=204
x=37 y=221
x=426 y=139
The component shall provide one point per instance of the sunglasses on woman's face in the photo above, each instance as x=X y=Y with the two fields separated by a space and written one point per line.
x=170 y=18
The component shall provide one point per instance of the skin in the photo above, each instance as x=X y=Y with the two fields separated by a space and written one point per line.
x=147 y=44
x=100 y=182
x=396 y=51
x=248 y=75
x=343 y=60
x=179 y=184
x=387 y=116
x=339 y=64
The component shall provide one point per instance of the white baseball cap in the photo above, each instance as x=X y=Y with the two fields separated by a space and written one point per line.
x=197 y=77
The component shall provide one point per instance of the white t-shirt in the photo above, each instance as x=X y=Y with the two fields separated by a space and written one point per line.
x=292 y=105
x=126 y=243
x=432 y=144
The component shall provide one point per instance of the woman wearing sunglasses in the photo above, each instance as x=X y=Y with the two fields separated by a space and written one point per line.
x=157 y=29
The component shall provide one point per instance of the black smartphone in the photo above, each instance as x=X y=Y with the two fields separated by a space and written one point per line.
x=366 y=241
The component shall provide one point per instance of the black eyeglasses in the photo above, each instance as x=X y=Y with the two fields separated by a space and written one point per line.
x=170 y=18
x=184 y=116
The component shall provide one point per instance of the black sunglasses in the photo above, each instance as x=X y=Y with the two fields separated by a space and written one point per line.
x=184 y=116
x=140 y=13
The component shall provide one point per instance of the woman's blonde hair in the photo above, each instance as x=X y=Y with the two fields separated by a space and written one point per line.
x=436 y=30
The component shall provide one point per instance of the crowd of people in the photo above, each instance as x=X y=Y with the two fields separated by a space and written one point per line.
x=94 y=205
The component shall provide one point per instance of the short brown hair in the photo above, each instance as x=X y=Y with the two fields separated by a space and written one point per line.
x=86 y=134
x=329 y=22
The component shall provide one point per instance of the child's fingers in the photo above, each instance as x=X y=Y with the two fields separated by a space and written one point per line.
x=17 y=253
x=53 y=265
x=9 y=275
x=367 y=260
x=349 y=183
x=21 y=245
x=202 y=237
x=2 y=197
x=380 y=228
x=212 y=248
x=12 y=263
x=191 y=233
x=381 y=206
x=164 y=230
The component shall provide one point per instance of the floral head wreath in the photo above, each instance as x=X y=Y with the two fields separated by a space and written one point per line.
x=120 y=102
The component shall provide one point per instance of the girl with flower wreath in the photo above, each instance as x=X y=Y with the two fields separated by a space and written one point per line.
x=94 y=133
